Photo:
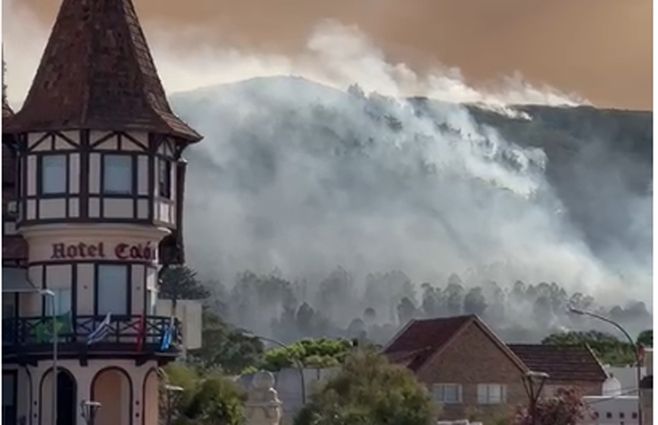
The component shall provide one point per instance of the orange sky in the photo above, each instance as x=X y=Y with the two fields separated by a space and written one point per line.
x=599 y=49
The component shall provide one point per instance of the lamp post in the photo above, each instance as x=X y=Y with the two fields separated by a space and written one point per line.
x=533 y=382
x=172 y=391
x=47 y=293
x=51 y=294
x=300 y=366
x=636 y=351
x=88 y=410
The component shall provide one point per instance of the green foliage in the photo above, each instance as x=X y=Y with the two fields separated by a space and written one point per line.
x=208 y=398
x=607 y=348
x=184 y=376
x=226 y=347
x=318 y=353
x=645 y=338
x=217 y=401
x=369 y=391
x=181 y=283
x=565 y=408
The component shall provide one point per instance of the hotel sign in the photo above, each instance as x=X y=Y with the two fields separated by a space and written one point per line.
x=84 y=251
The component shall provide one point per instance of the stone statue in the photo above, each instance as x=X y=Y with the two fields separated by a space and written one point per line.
x=263 y=406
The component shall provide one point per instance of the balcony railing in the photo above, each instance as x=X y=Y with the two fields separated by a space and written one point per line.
x=35 y=333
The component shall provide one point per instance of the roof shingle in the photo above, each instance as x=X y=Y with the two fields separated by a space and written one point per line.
x=97 y=72
x=562 y=363
x=421 y=338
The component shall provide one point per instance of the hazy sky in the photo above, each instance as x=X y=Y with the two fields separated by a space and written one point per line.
x=597 y=49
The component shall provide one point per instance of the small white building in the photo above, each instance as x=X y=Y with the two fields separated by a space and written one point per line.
x=607 y=410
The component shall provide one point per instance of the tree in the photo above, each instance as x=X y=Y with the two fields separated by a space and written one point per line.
x=645 y=338
x=565 y=408
x=320 y=352
x=607 y=348
x=181 y=283
x=454 y=294
x=406 y=310
x=208 y=398
x=226 y=347
x=474 y=302
x=369 y=391
x=216 y=402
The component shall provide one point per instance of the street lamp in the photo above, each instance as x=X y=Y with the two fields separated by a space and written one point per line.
x=173 y=391
x=533 y=382
x=51 y=294
x=88 y=410
x=300 y=365
x=636 y=351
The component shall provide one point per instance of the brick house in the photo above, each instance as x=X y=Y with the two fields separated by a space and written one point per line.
x=466 y=367
x=470 y=372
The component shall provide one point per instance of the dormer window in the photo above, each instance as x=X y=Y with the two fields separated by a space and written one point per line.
x=53 y=174
x=164 y=179
x=118 y=174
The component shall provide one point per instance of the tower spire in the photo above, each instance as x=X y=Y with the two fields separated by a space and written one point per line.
x=97 y=73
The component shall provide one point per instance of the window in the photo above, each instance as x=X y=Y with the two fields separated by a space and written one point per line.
x=112 y=290
x=621 y=415
x=447 y=393
x=62 y=302
x=53 y=174
x=634 y=415
x=491 y=394
x=608 y=415
x=117 y=174
x=164 y=178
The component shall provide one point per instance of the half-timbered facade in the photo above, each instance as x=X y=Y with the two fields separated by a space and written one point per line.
x=93 y=185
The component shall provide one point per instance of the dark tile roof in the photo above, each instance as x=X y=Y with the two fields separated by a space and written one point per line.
x=97 y=72
x=562 y=363
x=421 y=338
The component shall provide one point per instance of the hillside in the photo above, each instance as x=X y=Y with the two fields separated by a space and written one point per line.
x=299 y=177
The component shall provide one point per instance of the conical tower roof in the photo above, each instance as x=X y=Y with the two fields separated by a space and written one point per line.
x=97 y=73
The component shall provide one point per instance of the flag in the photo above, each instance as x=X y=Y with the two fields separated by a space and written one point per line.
x=101 y=331
x=141 y=333
x=44 y=330
x=167 y=336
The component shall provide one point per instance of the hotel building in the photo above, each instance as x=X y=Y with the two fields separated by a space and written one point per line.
x=93 y=180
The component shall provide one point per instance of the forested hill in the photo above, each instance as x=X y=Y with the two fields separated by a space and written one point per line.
x=301 y=178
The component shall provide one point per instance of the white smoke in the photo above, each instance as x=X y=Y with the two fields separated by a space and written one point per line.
x=304 y=177
x=338 y=55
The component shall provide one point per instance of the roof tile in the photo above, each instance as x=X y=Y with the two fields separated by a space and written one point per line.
x=422 y=338
x=97 y=72
x=562 y=363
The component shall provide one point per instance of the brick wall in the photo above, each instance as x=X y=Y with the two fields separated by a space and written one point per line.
x=470 y=360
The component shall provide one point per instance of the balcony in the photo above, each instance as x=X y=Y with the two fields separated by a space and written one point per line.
x=27 y=339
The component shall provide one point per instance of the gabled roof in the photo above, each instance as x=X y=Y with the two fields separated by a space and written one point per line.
x=562 y=363
x=420 y=340
x=97 y=73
